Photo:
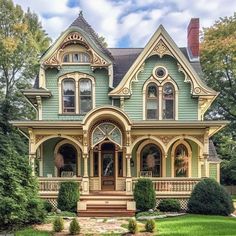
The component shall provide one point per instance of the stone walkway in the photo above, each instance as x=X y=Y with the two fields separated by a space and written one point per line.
x=93 y=226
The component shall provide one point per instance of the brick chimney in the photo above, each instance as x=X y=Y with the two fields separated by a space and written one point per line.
x=193 y=38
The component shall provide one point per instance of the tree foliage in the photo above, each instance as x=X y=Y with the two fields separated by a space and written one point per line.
x=218 y=60
x=19 y=200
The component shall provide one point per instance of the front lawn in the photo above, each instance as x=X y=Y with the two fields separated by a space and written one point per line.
x=32 y=232
x=197 y=225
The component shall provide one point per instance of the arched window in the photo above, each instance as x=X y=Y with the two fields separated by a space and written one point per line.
x=151 y=160
x=181 y=161
x=85 y=95
x=168 y=101
x=68 y=100
x=76 y=57
x=152 y=105
x=66 y=161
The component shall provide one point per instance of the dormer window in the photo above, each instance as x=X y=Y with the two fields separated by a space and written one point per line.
x=76 y=57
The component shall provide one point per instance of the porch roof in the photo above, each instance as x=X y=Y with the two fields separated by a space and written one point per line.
x=213 y=126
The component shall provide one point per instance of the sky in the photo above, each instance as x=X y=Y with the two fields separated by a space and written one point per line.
x=129 y=23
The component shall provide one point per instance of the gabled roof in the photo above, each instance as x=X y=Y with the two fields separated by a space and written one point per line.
x=81 y=23
x=125 y=57
x=162 y=44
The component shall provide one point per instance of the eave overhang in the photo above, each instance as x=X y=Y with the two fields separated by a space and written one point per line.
x=212 y=126
x=34 y=96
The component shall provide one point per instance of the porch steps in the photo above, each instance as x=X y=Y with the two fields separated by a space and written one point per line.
x=104 y=205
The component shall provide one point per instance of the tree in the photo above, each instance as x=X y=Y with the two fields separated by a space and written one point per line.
x=19 y=200
x=218 y=60
x=22 y=41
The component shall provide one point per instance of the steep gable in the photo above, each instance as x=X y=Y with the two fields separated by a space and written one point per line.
x=162 y=44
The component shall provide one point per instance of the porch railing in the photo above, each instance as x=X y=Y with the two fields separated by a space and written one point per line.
x=172 y=185
x=53 y=184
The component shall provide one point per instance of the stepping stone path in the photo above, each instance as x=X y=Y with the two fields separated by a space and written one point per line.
x=92 y=226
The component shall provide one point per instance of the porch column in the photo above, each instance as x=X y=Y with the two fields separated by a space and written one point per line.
x=85 y=180
x=129 y=188
x=32 y=163
x=85 y=158
x=206 y=152
x=128 y=166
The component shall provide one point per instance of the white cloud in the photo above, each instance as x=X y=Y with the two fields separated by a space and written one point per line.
x=136 y=19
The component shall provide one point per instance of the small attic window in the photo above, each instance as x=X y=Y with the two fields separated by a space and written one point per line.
x=76 y=57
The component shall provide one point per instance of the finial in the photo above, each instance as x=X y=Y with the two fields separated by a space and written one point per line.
x=81 y=13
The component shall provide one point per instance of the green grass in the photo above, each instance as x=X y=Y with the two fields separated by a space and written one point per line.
x=233 y=197
x=197 y=225
x=32 y=232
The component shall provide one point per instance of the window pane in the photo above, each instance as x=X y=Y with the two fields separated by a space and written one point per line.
x=152 y=104
x=85 y=87
x=69 y=87
x=76 y=57
x=66 y=58
x=151 y=160
x=85 y=104
x=181 y=161
x=151 y=114
x=152 y=91
x=168 y=91
x=69 y=102
x=168 y=109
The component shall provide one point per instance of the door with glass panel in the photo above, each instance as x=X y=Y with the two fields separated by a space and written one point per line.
x=108 y=166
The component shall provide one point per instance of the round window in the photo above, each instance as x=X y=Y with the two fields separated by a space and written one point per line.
x=160 y=72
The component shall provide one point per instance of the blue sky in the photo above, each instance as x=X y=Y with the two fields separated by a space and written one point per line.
x=129 y=23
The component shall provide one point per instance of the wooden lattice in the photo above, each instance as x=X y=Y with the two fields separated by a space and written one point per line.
x=183 y=202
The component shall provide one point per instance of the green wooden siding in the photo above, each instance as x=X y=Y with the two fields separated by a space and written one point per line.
x=213 y=171
x=188 y=106
x=48 y=157
x=51 y=105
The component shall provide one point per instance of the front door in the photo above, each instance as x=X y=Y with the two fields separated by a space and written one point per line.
x=108 y=166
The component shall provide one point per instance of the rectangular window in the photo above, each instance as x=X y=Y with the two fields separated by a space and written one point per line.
x=69 y=96
x=95 y=164
x=85 y=87
x=120 y=164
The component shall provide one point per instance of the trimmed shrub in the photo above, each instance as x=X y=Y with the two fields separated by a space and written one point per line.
x=150 y=226
x=132 y=226
x=58 y=224
x=144 y=195
x=68 y=196
x=47 y=206
x=210 y=198
x=74 y=227
x=169 y=205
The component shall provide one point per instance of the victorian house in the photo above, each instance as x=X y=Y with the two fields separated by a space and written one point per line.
x=109 y=116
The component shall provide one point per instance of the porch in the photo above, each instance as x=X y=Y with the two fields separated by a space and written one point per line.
x=49 y=187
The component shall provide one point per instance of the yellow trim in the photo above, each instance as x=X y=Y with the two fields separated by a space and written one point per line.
x=76 y=76
x=160 y=85
x=138 y=156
